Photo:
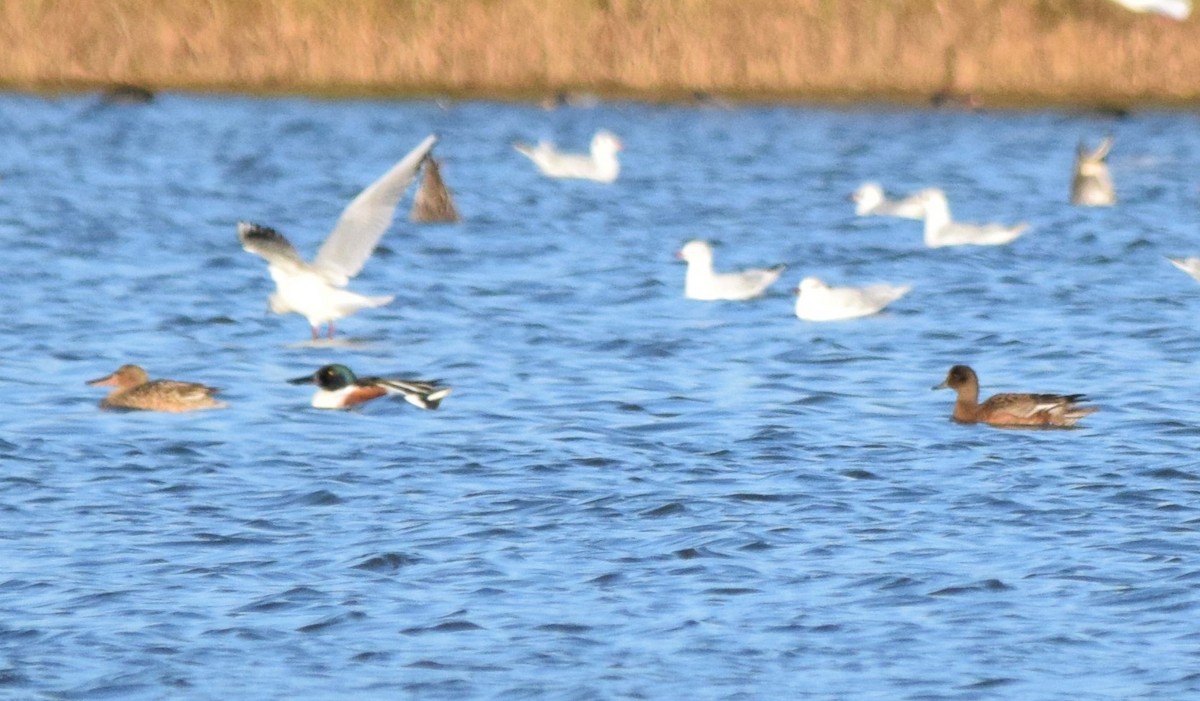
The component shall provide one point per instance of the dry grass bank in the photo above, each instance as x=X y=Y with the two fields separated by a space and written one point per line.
x=1056 y=50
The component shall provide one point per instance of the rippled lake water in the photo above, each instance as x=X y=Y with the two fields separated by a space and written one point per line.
x=629 y=494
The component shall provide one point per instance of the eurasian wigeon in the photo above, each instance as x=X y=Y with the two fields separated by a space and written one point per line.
x=1011 y=410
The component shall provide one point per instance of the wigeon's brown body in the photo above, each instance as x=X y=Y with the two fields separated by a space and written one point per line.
x=133 y=389
x=1011 y=410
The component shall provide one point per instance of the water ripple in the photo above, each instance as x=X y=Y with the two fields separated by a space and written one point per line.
x=626 y=488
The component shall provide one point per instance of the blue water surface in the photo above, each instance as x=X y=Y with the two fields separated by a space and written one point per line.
x=629 y=495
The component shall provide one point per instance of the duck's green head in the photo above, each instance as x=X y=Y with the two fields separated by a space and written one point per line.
x=329 y=377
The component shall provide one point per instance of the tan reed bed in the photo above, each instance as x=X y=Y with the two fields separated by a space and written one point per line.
x=1002 y=50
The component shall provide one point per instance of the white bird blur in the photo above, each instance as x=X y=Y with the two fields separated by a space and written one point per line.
x=702 y=283
x=817 y=301
x=315 y=290
x=1191 y=266
x=941 y=230
x=600 y=164
x=1091 y=184
x=871 y=201
x=1175 y=9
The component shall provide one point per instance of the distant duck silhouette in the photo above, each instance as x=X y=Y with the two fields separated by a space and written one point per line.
x=704 y=98
x=126 y=94
x=1091 y=185
x=950 y=95
x=433 y=202
x=562 y=98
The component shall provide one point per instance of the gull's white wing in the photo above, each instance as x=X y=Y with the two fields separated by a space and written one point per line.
x=270 y=245
x=851 y=300
x=1191 y=266
x=367 y=218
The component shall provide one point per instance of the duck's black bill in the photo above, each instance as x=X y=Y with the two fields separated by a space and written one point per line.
x=306 y=380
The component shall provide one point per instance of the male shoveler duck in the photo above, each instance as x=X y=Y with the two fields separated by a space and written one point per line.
x=132 y=389
x=338 y=388
x=1011 y=410
x=315 y=290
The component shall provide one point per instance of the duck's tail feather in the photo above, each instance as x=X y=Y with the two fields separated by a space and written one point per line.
x=425 y=394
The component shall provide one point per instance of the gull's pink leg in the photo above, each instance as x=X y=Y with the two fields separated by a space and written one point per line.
x=331 y=329
x=315 y=332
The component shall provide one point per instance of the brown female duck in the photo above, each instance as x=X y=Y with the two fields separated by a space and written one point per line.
x=1011 y=410
x=133 y=389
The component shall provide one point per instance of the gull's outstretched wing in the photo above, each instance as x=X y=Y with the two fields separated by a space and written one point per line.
x=269 y=244
x=1191 y=266
x=367 y=218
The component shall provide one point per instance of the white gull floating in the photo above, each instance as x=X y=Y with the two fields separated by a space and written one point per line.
x=600 y=164
x=871 y=201
x=942 y=230
x=817 y=301
x=703 y=283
